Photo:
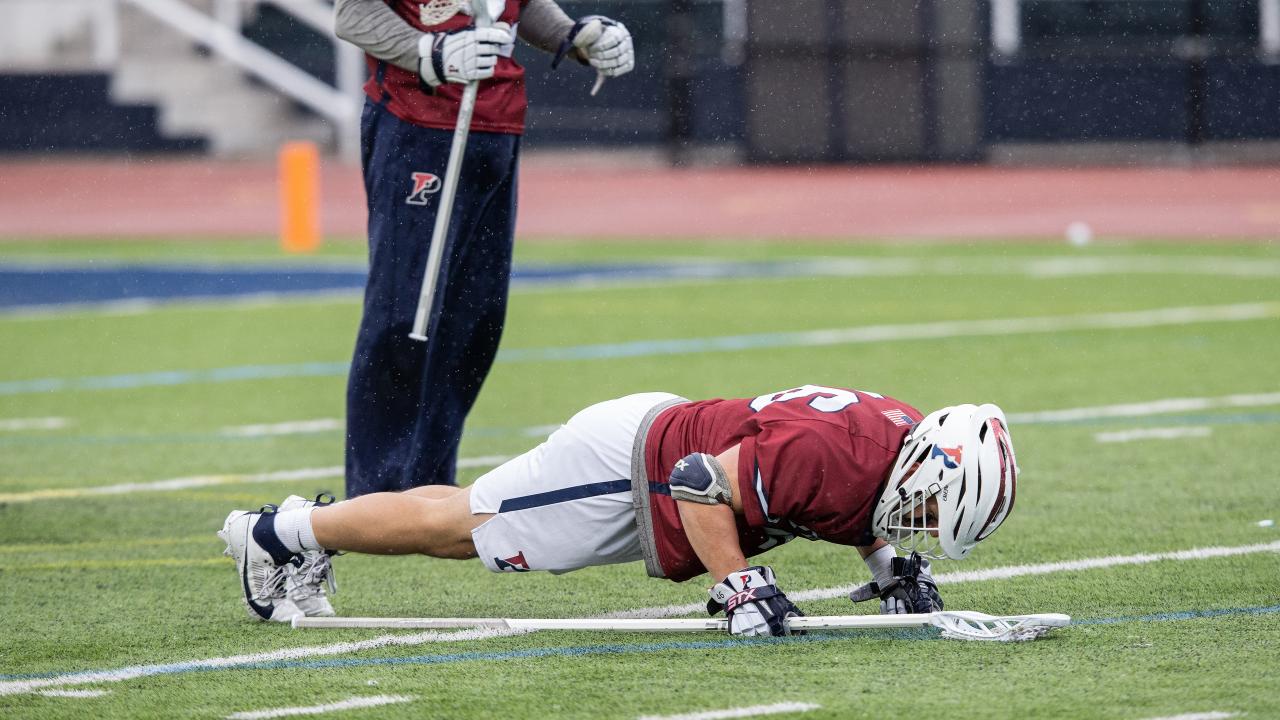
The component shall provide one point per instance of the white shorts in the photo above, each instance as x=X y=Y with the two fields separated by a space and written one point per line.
x=567 y=503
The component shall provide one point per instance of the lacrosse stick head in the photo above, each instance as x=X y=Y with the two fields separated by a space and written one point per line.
x=964 y=625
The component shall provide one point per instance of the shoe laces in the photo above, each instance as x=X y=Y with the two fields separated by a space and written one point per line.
x=269 y=581
x=306 y=579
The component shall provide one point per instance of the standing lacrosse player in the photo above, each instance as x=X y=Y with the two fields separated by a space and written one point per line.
x=687 y=487
x=407 y=400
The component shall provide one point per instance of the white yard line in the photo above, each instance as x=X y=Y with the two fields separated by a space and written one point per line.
x=133 y=672
x=40 y=423
x=142 y=305
x=302 y=427
x=540 y=431
x=753 y=711
x=186 y=483
x=349 y=704
x=13 y=687
x=1002 y=573
x=1212 y=715
x=1154 y=407
x=1163 y=406
x=74 y=693
x=483 y=461
x=293 y=427
x=1158 y=433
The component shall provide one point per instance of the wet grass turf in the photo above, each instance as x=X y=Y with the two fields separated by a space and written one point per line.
x=104 y=582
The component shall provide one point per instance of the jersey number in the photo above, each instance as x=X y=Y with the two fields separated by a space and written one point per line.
x=829 y=400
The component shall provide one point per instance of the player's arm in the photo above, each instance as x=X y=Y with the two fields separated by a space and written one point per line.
x=595 y=40
x=703 y=488
x=375 y=28
x=704 y=491
x=544 y=25
x=460 y=56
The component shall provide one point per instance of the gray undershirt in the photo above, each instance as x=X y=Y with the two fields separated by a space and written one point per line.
x=378 y=30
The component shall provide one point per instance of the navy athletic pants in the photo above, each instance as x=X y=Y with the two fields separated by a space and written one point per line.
x=407 y=400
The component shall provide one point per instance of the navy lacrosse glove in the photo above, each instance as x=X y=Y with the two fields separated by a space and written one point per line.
x=912 y=589
x=753 y=603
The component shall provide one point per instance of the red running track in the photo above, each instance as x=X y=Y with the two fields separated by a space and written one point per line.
x=560 y=198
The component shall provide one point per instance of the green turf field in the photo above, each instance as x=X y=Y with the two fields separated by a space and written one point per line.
x=130 y=584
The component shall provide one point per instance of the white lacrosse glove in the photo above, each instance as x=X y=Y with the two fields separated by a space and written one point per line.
x=602 y=43
x=463 y=55
x=752 y=602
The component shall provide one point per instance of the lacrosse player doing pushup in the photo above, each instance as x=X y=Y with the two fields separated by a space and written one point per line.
x=687 y=487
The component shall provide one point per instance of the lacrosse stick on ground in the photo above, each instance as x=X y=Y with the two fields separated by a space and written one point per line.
x=961 y=625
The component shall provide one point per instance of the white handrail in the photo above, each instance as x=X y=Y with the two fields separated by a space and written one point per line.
x=106 y=35
x=1006 y=28
x=348 y=60
x=348 y=66
x=1269 y=29
x=254 y=59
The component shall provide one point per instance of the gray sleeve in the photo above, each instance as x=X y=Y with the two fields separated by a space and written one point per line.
x=378 y=30
x=543 y=25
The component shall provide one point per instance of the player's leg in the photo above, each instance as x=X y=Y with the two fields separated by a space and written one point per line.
x=467 y=319
x=282 y=555
x=384 y=384
x=566 y=504
x=434 y=492
x=399 y=524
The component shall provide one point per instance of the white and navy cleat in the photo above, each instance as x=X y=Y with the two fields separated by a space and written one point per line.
x=308 y=584
x=262 y=575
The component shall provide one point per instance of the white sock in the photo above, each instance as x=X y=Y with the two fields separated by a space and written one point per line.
x=293 y=527
x=880 y=563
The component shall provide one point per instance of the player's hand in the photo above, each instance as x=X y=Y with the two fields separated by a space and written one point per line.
x=462 y=56
x=912 y=589
x=602 y=43
x=753 y=603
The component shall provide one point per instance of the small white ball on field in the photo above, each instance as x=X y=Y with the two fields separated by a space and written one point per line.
x=371 y=683
x=1079 y=233
x=1266 y=523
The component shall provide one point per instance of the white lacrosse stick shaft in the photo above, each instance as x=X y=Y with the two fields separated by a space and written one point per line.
x=484 y=17
x=970 y=625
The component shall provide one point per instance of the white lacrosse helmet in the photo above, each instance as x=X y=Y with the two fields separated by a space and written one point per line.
x=963 y=456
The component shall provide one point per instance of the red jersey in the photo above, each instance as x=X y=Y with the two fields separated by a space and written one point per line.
x=812 y=464
x=500 y=104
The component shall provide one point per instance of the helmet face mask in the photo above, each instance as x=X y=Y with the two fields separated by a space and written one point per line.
x=962 y=457
x=911 y=527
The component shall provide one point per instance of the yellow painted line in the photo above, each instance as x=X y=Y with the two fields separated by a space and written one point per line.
x=183 y=483
x=107 y=544
x=335 y=472
x=115 y=564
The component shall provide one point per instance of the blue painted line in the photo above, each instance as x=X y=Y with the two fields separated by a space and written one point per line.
x=61 y=285
x=648 y=348
x=1183 y=615
x=580 y=650
x=174 y=377
x=583 y=650
x=639 y=648
x=53 y=285
x=44 y=438
x=643 y=348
